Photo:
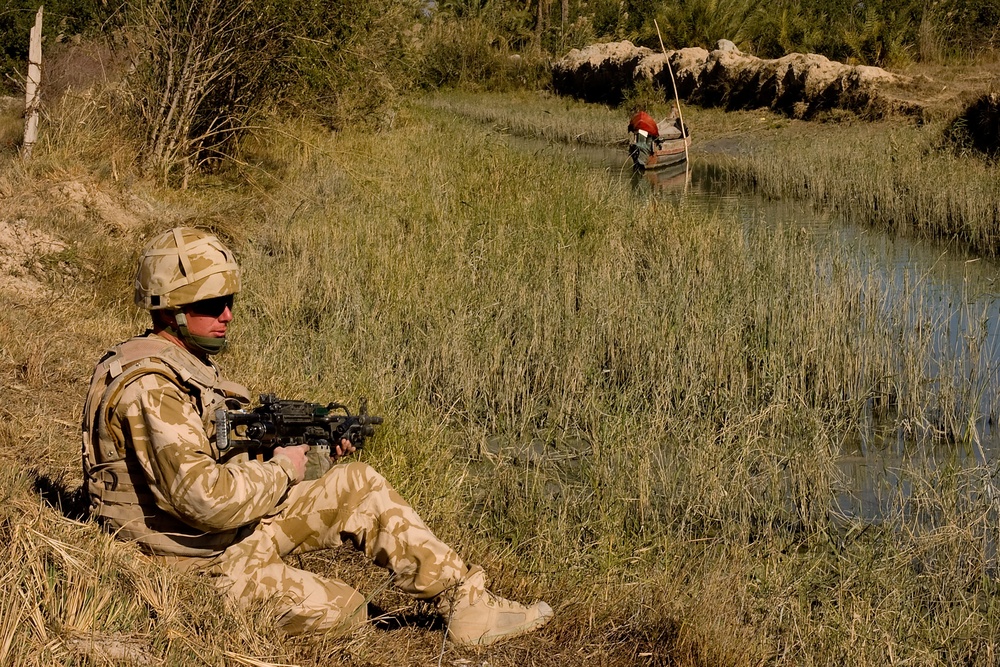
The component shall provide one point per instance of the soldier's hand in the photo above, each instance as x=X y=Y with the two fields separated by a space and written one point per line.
x=297 y=455
x=343 y=449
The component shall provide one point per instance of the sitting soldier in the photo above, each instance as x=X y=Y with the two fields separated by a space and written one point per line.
x=155 y=475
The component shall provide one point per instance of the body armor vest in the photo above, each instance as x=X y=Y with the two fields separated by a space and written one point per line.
x=120 y=496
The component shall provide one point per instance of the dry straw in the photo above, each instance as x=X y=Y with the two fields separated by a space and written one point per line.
x=630 y=409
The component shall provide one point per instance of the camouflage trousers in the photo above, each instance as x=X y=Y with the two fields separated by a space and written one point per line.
x=350 y=503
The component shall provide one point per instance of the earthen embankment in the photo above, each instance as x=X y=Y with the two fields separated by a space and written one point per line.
x=798 y=85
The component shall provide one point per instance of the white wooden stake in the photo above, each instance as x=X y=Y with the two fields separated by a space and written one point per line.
x=31 y=97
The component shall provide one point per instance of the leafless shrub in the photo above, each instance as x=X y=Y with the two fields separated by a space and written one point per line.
x=200 y=73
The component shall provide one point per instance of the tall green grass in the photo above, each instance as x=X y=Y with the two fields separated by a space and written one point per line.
x=631 y=409
x=892 y=177
x=630 y=395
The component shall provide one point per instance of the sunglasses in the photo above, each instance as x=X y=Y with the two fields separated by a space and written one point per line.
x=212 y=307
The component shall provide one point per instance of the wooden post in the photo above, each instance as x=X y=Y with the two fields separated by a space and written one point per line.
x=31 y=97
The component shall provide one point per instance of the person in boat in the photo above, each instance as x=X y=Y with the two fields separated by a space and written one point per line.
x=645 y=137
x=673 y=128
x=155 y=476
x=642 y=123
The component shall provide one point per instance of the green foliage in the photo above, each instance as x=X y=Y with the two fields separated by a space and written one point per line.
x=61 y=18
x=876 y=32
x=11 y=127
x=462 y=52
x=469 y=53
x=881 y=32
x=607 y=17
x=203 y=67
x=698 y=22
x=348 y=60
x=962 y=28
x=784 y=27
x=206 y=68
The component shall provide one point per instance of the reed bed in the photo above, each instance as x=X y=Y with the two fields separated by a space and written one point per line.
x=891 y=175
x=887 y=176
x=539 y=115
x=627 y=408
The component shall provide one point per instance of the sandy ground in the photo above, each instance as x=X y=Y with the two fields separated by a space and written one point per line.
x=32 y=260
x=24 y=253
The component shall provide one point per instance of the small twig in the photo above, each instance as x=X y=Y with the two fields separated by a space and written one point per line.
x=447 y=622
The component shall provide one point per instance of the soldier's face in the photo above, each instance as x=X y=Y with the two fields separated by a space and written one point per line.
x=210 y=318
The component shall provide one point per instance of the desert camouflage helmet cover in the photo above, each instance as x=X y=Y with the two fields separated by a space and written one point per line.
x=182 y=266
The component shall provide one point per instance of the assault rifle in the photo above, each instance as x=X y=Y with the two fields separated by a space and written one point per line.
x=280 y=423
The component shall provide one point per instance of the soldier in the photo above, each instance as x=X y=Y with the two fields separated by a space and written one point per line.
x=155 y=476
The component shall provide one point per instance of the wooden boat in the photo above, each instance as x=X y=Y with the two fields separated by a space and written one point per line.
x=649 y=155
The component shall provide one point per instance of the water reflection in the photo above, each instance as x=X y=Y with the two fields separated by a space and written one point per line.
x=880 y=469
x=940 y=283
x=669 y=180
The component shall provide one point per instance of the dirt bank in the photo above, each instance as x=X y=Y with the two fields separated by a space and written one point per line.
x=798 y=85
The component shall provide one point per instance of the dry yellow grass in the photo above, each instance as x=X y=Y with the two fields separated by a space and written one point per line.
x=627 y=409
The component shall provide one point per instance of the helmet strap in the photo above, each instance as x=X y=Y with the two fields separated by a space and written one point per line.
x=208 y=344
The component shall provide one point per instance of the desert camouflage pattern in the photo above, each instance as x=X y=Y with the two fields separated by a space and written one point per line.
x=155 y=476
x=153 y=472
x=182 y=266
x=351 y=503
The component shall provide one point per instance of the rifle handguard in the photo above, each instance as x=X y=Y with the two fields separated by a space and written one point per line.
x=281 y=422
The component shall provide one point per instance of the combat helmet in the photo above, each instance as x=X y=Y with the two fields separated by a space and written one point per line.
x=180 y=267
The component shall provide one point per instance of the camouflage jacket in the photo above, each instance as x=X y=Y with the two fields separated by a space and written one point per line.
x=153 y=472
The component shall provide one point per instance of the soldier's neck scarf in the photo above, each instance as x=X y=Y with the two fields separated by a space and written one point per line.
x=208 y=344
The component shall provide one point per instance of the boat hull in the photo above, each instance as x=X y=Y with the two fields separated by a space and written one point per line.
x=667 y=154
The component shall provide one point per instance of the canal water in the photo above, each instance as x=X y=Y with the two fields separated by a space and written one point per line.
x=943 y=283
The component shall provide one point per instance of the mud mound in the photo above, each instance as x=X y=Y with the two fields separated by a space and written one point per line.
x=83 y=202
x=24 y=253
x=799 y=85
x=978 y=127
x=31 y=262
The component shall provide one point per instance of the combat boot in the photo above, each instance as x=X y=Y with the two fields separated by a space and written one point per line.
x=476 y=617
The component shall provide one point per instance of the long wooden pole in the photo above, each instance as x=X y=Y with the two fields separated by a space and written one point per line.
x=31 y=97
x=673 y=82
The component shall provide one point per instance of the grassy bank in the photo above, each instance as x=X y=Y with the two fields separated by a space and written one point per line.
x=891 y=174
x=630 y=410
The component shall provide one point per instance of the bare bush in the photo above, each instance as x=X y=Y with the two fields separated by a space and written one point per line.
x=201 y=72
